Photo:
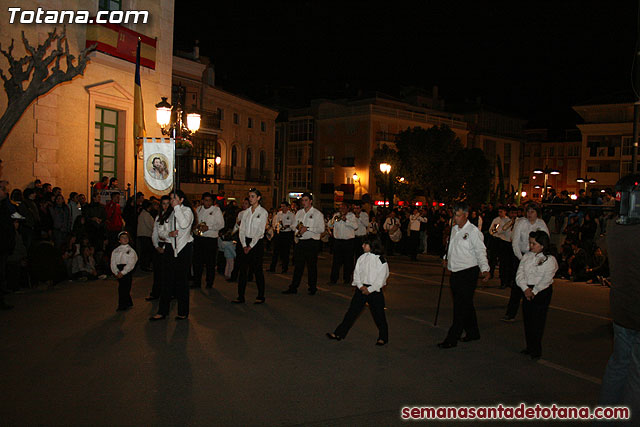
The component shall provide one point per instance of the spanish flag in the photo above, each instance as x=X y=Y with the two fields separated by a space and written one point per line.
x=138 y=110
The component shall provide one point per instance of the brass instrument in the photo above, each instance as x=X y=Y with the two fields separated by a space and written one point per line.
x=299 y=229
x=279 y=226
x=200 y=229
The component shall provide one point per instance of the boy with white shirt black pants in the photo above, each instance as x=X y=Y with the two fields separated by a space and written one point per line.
x=205 y=245
x=466 y=257
x=251 y=236
x=369 y=277
x=123 y=261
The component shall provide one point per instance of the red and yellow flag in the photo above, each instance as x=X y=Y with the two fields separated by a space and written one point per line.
x=139 y=129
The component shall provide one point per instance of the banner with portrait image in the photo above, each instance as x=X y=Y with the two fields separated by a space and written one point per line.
x=158 y=164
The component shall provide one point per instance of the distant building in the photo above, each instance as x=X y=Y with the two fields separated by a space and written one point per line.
x=557 y=150
x=239 y=131
x=607 y=134
x=328 y=143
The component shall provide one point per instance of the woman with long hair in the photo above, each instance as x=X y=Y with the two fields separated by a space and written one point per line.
x=181 y=245
x=369 y=277
x=534 y=278
x=251 y=236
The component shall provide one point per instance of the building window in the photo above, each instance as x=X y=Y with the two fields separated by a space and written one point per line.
x=573 y=151
x=236 y=119
x=552 y=151
x=301 y=130
x=263 y=126
x=110 y=5
x=221 y=113
x=298 y=154
x=105 y=159
x=249 y=159
x=560 y=151
x=626 y=145
x=299 y=177
x=249 y=122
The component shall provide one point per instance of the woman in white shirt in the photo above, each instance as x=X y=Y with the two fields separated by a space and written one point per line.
x=251 y=236
x=369 y=277
x=534 y=278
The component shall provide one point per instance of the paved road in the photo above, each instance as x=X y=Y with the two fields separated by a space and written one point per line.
x=68 y=358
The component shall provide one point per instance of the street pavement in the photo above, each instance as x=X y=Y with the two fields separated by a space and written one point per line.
x=69 y=358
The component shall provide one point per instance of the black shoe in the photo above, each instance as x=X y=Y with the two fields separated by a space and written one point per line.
x=259 y=300
x=122 y=308
x=150 y=298
x=155 y=318
x=312 y=291
x=331 y=282
x=508 y=319
x=447 y=344
x=289 y=291
x=468 y=339
x=271 y=270
x=381 y=342
x=525 y=351
x=536 y=356
x=284 y=271
x=237 y=301
x=181 y=317
x=333 y=336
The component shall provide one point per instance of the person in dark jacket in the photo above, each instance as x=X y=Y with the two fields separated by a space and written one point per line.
x=61 y=221
x=7 y=242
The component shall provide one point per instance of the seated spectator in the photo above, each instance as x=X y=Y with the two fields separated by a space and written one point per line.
x=45 y=262
x=573 y=229
x=84 y=266
x=578 y=263
x=563 y=260
x=598 y=268
x=69 y=249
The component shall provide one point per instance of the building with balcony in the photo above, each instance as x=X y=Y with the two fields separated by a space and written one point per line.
x=607 y=134
x=332 y=140
x=83 y=129
x=556 y=150
x=239 y=131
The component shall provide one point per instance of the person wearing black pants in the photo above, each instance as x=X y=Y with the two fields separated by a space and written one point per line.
x=160 y=225
x=311 y=226
x=205 y=245
x=344 y=225
x=466 y=257
x=123 y=261
x=251 y=235
x=369 y=277
x=283 y=223
x=534 y=278
x=181 y=243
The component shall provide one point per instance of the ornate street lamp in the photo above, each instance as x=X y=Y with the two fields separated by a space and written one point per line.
x=385 y=168
x=586 y=181
x=546 y=171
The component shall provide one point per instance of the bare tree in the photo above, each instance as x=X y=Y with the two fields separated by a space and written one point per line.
x=44 y=71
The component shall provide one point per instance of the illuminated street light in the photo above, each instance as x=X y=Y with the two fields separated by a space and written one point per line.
x=546 y=171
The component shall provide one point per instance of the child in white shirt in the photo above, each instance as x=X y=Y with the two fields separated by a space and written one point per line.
x=123 y=260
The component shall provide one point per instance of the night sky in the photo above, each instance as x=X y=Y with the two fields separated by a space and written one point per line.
x=534 y=59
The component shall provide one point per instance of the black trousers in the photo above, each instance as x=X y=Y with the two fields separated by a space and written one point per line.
x=124 y=289
x=463 y=285
x=507 y=262
x=251 y=262
x=516 y=292
x=376 y=305
x=177 y=277
x=535 y=317
x=342 y=257
x=414 y=242
x=159 y=271
x=282 y=250
x=205 y=251
x=306 y=253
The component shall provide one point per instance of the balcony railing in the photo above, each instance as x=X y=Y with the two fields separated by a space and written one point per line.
x=202 y=170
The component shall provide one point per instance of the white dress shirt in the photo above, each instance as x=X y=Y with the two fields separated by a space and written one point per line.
x=288 y=221
x=415 y=221
x=370 y=271
x=213 y=218
x=344 y=230
x=313 y=220
x=180 y=219
x=537 y=270
x=520 y=240
x=363 y=224
x=252 y=225
x=466 y=249
x=123 y=254
x=502 y=228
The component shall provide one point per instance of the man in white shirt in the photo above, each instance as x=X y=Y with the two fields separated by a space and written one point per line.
x=415 y=221
x=283 y=223
x=502 y=230
x=205 y=246
x=520 y=246
x=466 y=258
x=310 y=225
x=361 y=231
x=391 y=227
x=344 y=225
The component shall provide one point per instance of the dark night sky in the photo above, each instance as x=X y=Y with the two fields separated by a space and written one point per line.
x=534 y=58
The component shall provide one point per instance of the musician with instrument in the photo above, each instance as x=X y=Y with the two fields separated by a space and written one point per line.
x=283 y=222
x=391 y=226
x=310 y=226
x=502 y=229
x=205 y=246
x=343 y=225
x=362 y=230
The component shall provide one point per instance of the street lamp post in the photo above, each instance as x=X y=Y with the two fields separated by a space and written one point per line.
x=586 y=181
x=179 y=129
x=356 y=178
x=546 y=171
x=215 y=169
x=385 y=168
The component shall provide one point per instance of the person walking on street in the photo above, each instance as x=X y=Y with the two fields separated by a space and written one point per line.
x=205 y=244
